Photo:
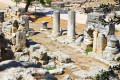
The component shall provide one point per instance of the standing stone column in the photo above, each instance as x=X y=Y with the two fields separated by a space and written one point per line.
x=71 y=25
x=25 y=18
x=1 y=16
x=56 y=24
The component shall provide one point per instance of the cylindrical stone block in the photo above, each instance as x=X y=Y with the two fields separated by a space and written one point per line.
x=1 y=16
x=56 y=23
x=71 y=25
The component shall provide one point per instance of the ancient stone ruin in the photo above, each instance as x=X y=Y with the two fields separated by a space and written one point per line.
x=56 y=24
x=23 y=55
x=14 y=12
x=44 y=25
x=98 y=36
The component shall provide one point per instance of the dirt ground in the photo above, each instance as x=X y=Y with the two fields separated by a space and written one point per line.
x=2 y=5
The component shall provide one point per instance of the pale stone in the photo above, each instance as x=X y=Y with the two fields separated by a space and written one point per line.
x=101 y=43
x=93 y=19
x=67 y=77
x=51 y=64
x=17 y=55
x=21 y=25
x=44 y=25
x=62 y=57
x=25 y=18
x=112 y=45
x=39 y=54
x=95 y=36
x=56 y=71
x=79 y=40
x=33 y=48
x=88 y=40
x=56 y=24
x=85 y=46
x=20 y=41
x=71 y=25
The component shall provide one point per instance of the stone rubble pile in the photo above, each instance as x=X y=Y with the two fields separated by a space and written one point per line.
x=14 y=12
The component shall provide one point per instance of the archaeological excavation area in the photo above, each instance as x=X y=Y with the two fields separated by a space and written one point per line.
x=35 y=46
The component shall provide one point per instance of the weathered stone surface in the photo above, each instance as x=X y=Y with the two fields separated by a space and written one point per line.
x=71 y=25
x=101 y=43
x=31 y=32
x=44 y=25
x=56 y=24
x=7 y=27
x=1 y=16
x=25 y=18
x=79 y=40
x=108 y=29
x=14 y=26
x=93 y=20
x=21 y=25
x=112 y=45
x=85 y=46
x=70 y=66
x=24 y=58
x=88 y=37
x=61 y=57
x=18 y=55
x=20 y=41
x=56 y=71
x=51 y=64
x=15 y=70
x=39 y=55
x=83 y=74
x=95 y=36
x=35 y=47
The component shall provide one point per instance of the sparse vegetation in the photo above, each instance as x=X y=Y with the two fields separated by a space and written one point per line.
x=17 y=2
x=104 y=75
x=48 y=2
x=50 y=67
x=116 y=30
x=118 y=59
x=108 y=75
x=88 y=50
x=42 y=2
